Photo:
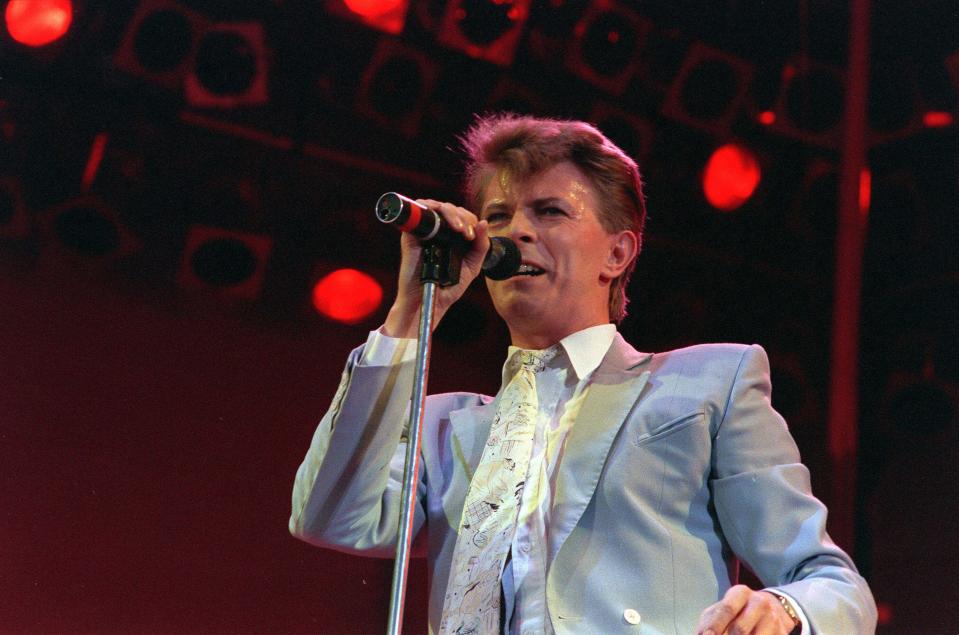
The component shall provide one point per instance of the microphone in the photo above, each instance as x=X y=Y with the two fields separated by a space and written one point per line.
x=502 y=260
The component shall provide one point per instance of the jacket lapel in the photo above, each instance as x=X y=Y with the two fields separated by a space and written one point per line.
x=613 y=391
x=470 y=429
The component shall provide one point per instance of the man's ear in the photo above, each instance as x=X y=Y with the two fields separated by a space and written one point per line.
x=623 y=249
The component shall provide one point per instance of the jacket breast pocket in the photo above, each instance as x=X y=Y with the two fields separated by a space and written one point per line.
x=667 y=428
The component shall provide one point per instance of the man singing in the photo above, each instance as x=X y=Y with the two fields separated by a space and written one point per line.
x=602 y=490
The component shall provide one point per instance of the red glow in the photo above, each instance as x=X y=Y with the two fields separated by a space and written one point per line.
x=731 y=176
x=372 y=9
x=385 y=15
x=347 y=296
x=865 y=192
x=94 y=160
x=767 y=117
x=937 y=119
x=885 y=613
x=38 y=22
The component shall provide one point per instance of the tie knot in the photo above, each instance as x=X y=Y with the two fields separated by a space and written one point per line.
x=536 y=361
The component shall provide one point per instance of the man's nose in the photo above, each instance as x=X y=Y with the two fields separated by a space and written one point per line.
x=521 y=227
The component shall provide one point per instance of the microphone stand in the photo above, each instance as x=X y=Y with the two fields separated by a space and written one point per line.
x=440 y=266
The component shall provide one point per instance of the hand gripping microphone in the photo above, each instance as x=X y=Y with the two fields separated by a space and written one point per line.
x=502 y=260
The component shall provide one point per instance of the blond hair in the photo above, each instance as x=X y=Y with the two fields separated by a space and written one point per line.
x=523 y=146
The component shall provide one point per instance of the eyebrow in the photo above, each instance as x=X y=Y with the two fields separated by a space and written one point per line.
x=495 y=204
x=549 y=200
x=500 y=204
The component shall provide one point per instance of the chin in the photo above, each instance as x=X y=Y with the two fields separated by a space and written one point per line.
x=525 y=299
x=527 y=313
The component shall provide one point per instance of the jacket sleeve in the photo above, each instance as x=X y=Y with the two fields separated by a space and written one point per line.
x=771 y=519
x=348 y=490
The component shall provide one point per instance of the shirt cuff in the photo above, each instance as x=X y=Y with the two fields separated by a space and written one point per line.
x=383 y=350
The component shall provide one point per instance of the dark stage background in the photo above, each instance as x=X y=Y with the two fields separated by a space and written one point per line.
x=176 y=176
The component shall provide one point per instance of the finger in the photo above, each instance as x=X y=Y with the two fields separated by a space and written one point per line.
x=715 y=619
x=458 y=218
x=482 y=231
x=477 y=253
x=462 y=219
x=751 y=614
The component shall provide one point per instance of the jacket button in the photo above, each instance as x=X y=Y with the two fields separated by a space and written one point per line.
x=631 y=616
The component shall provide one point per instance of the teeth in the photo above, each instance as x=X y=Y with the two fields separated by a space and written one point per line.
x=529 y=270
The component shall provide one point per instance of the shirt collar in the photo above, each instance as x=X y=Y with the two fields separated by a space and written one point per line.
x=585 y=349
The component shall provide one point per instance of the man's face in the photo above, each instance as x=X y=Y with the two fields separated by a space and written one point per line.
x=553 y=218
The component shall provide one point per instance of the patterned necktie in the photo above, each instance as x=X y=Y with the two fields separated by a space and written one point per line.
x=472 y=603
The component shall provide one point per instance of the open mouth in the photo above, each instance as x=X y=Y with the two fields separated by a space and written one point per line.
x=529 y=270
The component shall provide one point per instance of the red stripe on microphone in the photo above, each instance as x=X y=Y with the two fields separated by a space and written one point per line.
x=416 y=215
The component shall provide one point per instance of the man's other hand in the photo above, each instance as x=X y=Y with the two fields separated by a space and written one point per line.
x=743 y=611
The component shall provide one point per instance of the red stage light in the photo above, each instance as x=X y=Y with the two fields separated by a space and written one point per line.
x=865 y=192
x=885 y=613
x=607 y=38
x=347 y=295
x=767 y=117
x=38 y=22
x=385 y=15
x=484 y=29
x=97 y=151
x=373 y=9
x=937 y=119
x=731 y=176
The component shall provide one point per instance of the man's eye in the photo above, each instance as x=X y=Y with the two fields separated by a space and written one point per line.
x=552 y=211
x=493 y=217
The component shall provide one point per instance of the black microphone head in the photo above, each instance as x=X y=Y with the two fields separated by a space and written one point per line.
x=503 y=259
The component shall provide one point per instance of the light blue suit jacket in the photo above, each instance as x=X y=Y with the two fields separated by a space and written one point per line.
x=676 y=466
